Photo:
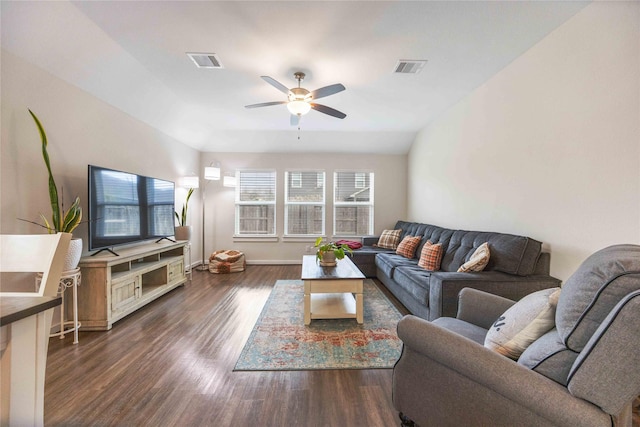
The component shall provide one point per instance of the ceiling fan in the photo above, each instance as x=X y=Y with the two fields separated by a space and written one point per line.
x=299 y=99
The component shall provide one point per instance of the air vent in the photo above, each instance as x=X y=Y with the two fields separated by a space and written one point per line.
x=405 y=66
x=206 y=60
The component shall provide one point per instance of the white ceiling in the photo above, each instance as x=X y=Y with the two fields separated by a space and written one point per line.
x=132 y=55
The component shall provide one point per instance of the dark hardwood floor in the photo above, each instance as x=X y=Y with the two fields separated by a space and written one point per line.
x=171 y=364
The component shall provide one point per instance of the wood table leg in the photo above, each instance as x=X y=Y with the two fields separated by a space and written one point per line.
x=359 y=308
x=307 y=309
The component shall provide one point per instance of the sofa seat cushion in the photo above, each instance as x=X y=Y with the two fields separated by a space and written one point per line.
x=460 y=327
x=414 y=280
x=600 y=282
x=549 y=356
x=387 y=262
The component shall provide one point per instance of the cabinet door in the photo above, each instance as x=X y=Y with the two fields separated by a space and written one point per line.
x=124 y=293
x=176 y=271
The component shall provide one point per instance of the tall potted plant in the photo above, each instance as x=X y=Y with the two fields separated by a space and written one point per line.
x=182 y=230
x=61 y=221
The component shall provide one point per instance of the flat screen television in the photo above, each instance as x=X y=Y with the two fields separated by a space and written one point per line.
x=127 y=208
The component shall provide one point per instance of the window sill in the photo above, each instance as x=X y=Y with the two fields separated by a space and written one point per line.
x=255 y=238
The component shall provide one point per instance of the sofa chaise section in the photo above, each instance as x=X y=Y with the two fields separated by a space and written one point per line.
x=517 y=267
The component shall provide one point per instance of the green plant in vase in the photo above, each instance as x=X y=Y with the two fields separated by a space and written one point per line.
x=183 y=231
x=61 y=221
x=328 y=252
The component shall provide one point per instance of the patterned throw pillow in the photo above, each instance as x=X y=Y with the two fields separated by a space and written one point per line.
x=389 y=239
x=523 y=323
x=478 y=260
x=407 y=248
x=431 y=256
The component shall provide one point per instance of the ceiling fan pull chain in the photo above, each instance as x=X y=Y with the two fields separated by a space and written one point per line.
x=298 y=133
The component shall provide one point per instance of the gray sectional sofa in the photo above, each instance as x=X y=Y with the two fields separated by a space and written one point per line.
x=517 y=267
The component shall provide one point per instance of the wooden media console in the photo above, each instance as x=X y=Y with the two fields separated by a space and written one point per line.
x=116 y=286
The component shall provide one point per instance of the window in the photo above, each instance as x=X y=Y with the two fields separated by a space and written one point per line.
x=256 y=203
x=296 y=180
x=304 y=203
x=353 y=203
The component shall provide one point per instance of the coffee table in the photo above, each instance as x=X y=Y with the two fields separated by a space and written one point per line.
x=332 y=292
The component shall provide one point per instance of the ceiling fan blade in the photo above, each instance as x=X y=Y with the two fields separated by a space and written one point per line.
x=327 y=90
x=295 y=120
x=328 y=110
x=265 y=104
x=273 y=82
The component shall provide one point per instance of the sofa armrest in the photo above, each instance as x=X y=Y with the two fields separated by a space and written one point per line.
x=439 y=368
x=444 y=288
x=370 y=240
x=481 y=308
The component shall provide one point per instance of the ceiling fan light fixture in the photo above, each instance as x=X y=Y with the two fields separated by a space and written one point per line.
x=299 y=107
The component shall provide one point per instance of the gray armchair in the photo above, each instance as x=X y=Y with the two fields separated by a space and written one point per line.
x=584 y=372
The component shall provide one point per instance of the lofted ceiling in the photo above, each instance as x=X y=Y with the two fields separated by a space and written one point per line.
x=132 y=55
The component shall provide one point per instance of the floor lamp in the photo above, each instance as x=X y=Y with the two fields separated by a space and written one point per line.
x=211 y=173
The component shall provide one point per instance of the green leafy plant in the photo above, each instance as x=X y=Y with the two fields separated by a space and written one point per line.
x=338 y=250
x=182 y=218
x=61 y=221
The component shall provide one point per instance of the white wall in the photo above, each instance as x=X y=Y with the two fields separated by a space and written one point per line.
x=390 y=198
x=549 y=147
x=81 y=130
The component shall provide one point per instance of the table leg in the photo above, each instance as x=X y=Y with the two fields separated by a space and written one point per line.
x=307 y=309
x=75 y=311
x=62 y=315
x=359 y=308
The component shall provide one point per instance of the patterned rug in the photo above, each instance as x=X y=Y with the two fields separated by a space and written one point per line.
x=280 y=341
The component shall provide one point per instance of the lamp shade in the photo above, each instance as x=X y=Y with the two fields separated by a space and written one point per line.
x=190 y=182
x=229 y=181
x=298 y=107
x=211 y=173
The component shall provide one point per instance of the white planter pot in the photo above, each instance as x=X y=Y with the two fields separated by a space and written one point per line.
x=73 y=255
x=328 y=259
x=183 y=232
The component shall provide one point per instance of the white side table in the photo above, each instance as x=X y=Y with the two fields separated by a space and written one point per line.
x=69 y=279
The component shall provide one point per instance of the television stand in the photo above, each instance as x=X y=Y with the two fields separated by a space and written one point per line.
x=113 y=288
x=104 y=249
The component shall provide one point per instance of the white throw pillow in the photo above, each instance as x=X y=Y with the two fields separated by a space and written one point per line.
x=478 y=260
x=523 y=323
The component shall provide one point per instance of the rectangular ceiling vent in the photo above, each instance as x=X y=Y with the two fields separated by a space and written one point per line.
x=409 y=66
x=206 y=60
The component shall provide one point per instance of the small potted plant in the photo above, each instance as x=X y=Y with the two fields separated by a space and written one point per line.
x=328 y=252
x=183 y=231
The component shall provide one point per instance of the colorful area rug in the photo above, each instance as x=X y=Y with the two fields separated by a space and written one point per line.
x=280 y=341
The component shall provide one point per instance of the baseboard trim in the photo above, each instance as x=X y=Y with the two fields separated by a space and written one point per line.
x=274 y=262
x=262 y=262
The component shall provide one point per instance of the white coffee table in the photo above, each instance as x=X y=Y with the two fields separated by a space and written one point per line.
x=332 y=292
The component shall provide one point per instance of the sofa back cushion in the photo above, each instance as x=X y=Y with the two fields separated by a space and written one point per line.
x=588 y=296
x=509 y=253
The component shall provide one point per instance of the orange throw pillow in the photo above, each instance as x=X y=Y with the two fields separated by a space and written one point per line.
x=407 y=248
x=431 y=256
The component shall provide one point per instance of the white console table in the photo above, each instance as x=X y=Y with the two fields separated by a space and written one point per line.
x=116 y=286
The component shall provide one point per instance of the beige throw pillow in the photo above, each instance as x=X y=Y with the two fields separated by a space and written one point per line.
x=523 y=323
x=478 y=260
x=389 y=239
